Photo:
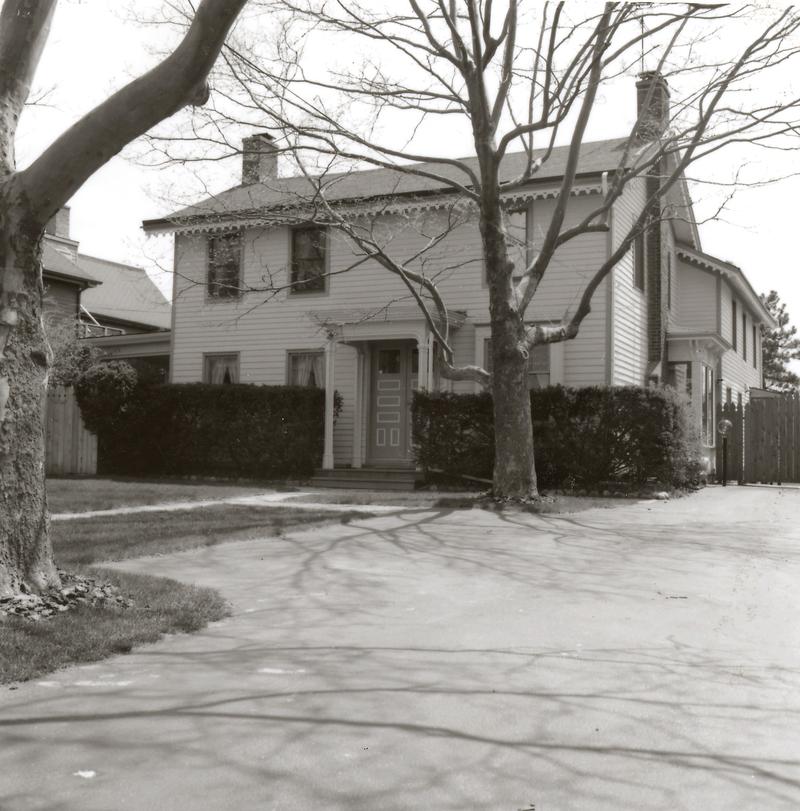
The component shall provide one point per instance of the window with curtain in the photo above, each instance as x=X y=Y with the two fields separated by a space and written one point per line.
x=538 y=364
x=307 y=369
x=221 y=368
x=225 y=266
x=308 y=260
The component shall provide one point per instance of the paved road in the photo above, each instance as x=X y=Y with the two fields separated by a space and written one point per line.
x=645 y=657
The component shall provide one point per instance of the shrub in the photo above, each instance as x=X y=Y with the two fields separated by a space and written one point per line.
x=198 y=429
x=104 y=393
x=588 y=437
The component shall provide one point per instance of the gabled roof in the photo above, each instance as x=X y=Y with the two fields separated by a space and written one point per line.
x=283 y=192
x=59 y=263
x=734 y=276
x=126 y=293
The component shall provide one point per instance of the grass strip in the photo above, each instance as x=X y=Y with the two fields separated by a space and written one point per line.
x=82 y=541
x=86 y=634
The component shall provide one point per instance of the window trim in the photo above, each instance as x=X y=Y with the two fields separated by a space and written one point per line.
x=208 y=355
x=531 y=372
x=304 y=292
x=237 y=291
x=639 y=261
x=293 y=352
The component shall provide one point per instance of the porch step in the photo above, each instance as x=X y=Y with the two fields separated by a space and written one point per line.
x=367 y=478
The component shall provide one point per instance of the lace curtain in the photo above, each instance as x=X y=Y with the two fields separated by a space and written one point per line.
x=307 y=369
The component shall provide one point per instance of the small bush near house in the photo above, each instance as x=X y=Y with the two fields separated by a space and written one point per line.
x=198 y=429
x=584 y=438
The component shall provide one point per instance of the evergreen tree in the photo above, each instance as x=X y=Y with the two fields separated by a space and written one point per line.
x=780 y=345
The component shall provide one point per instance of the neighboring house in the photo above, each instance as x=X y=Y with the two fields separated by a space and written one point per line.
x=126 y=315
x=88 y=296
x=668 y=312
x=65 y=279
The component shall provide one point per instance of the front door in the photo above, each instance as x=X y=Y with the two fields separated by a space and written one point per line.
x=394 y=374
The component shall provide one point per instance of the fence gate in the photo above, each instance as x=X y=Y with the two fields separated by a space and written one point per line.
x=69 y=447
x=764 y=445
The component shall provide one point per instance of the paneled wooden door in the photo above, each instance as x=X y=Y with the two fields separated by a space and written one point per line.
x=394 y=375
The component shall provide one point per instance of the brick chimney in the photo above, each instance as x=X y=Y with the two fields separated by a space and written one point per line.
x=259 y=159
x=58 y=224
x=652 y=105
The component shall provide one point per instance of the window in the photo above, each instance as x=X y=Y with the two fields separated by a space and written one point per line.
x=638 y=261
x=707 y=416
x=519 y=247
x=538 y=364
x=755 y=348
x=735 y=324
x=221 y=368
x=224 y=266
x=744 y=336
x=306 y=369
x=679 y=376
x=728 y=395
x=308 y=259
x=669 y=281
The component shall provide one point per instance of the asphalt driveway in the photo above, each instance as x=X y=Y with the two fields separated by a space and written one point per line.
x=646 y=657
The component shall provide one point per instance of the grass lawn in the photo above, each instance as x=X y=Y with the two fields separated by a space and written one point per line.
x=80 y=495
x=30 y=649
x=85 y=634
x=82 y=541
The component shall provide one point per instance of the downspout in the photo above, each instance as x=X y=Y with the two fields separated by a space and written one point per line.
x=609 y=288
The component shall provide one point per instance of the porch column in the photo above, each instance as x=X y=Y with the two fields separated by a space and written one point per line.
x=358 y=416
x=330 y=360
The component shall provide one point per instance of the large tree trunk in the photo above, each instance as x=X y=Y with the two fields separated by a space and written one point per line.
x=25 y=551
x=514 y=471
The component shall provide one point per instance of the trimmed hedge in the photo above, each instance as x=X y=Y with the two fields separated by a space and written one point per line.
x=198 y=429
x=583 y=438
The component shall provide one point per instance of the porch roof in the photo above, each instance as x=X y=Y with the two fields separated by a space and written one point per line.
x=347 y=316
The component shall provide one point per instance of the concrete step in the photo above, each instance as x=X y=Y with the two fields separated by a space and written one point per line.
x=366 y=478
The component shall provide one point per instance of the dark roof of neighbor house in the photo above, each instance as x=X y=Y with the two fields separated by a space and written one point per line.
x=126 y=293
x=58 y=262
x=595 y=157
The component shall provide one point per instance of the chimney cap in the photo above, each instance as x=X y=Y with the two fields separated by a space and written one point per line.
x=656 y=76
x=261 y=135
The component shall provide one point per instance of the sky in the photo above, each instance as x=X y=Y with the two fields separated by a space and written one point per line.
x=95 y=48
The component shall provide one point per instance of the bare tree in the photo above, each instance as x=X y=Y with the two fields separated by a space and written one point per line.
x=28 y=199
x=517 y=78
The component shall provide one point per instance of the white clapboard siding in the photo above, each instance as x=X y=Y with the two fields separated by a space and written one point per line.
x=69 y=448
x=262 y=328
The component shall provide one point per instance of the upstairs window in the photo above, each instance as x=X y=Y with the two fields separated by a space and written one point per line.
x=744 y=336
x=735 y=324
x=638 y=261
x=755 y=347
x=308 y=259
x=669 y=281
x=225 y=266
x=221 y=368
x=538 y=364
x=519 y=243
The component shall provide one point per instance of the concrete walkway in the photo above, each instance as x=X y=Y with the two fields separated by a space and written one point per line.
x=645 y=657
x=258 y=500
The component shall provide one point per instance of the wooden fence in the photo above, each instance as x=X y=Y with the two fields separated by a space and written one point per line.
x=69 y=447
x=764 y=444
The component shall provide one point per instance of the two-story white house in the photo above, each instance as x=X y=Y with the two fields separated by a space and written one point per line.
x=262 y=298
